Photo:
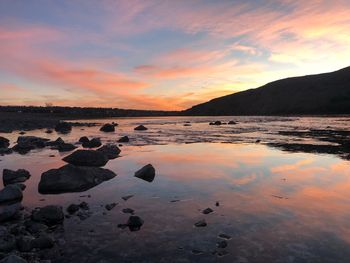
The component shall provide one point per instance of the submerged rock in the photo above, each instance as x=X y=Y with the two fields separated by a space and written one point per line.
x=107 y=128
x=93 y=143
x=63 y=127
x=49 y=215
x=140 y=128
x=70 y=178
x=12 y=177
x=146 y=173
x=10 y=194
x=86 y=158
x=134 y=223
x=110 y=151
x=124 y=139
x=4 y=143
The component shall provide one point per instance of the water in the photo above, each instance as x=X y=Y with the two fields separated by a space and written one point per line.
x=277 y=206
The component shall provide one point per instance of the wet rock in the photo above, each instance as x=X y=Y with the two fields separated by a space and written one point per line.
x=71 y=209
x=109 y=207
x=84 y=206
x=124 y=139
x=146 y=173
x=128 y=211
x=66 y=147
x=49 y=215
x=7 y=243
x=107 y=128
x=55 y=143
x=224 y=236
x=10 y=194
x=221 y=244
x=70 y=178
x=12 y=177
x=84 y=139
x=134 y=223
x=25 y=243
x=34 y=227
x=93 y=143
x=127 y=197
x=37 y=142
x=63 y=127
x=217 y=203
x=232 y=122
x=8 y=212
x=43 y=241
x=201 y=223
x=110 y=150
x=49 y=131
x=140 y=128
x=13 y=259
x=207 y=211
x=4 y=151
x=4 y=143
x=86 y=158
x=217 y=123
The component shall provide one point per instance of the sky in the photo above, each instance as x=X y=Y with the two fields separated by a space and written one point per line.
x=162 y=55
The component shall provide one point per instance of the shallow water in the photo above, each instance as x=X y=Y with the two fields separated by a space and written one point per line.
x=276 y=206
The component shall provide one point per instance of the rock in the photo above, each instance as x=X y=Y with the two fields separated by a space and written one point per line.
x=7 y=243
x=4 y=151
x=217 y=203
x=83 y=215
x=37 y=142
x=12 y=177
x=146 y=173
x=207 y=211
x=127 y=197
x=224 y=236
x=10 y=194
x=4 y=143
x=93 y=143
x=109 y=207
x=124 y=139
x=86 y=158
x=221 y=244
x=84 y=139
x=110 y=150
x=70 y=178
x=66 y=147
x=258 y=141
x=25 y=243
x=63 y=127
x=84 y=206
x=34 y=227
x=71 y=209
x=217 y=123
x=140 y=128
x=43 y=241
x=128 y=211
x=107 y=128
x=134 y=223
x=13 y=259
x=201 y=223
x=55 y=143
x=49 y=131
x=8 y=212
x=232 y=122
x=49 y=215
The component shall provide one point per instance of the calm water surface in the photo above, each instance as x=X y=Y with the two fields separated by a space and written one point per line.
x=276 y=206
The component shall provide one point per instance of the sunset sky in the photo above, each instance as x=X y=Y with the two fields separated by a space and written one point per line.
x=162 y=54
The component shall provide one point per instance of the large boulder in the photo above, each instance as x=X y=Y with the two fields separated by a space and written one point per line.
x=110 y=150
x=86 y=158
x=8 y=212
x=107 y=128
x=12 y=177
x=49 y=215
x=10 y=194
x=70 y=178
x=13 y=259
x=93 y=143
x=140 y=128
x=4 y=143
x=63 y=127
x=146 y=173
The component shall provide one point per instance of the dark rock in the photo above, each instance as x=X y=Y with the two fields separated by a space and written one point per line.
x=221 y=244
x=4 y=151
x=37 y=142
x=49 y=131
x=49 y=215
x=134 y=223
x=70 y=178
x=86 y=158
x=110 y=150
x=22 y=132
x=71 y=209
x=258 y=141
x=34 y=227
x=225 y=236
x=10 y=194
x=217 y=203
x=83 y=215
x=217 y=123
x=207 y=211
x=7 y=243
x=107 y=128
x=55 y=143
x=43 y=241
x=84 y=206
x=232 y=122
x=12 y=177
x=66 y=147
x=13 y=259
x=8 y=212
x=93 y=143
x=20 y=186
x=25 y=243
x=128 y=211
x=4 y=143
x=63 y=127
x=84 y=139
x=127 y=197
x=146 y=173
x=201 y=223
x=109 y=207
x=124 y=139
x=140 y=128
